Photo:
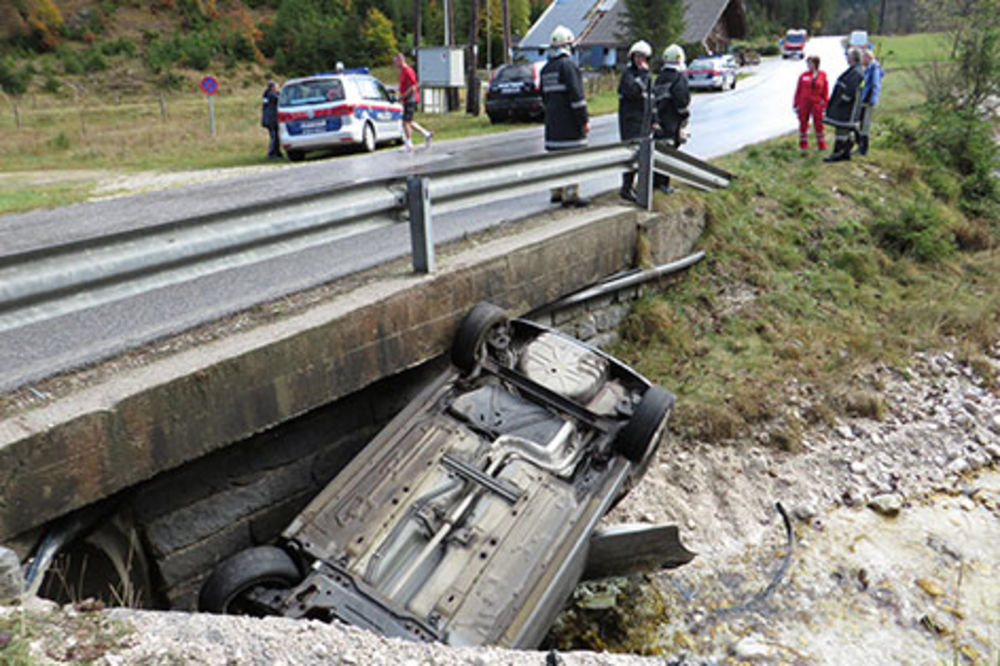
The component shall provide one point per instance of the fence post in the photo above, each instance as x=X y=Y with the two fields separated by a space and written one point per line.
x=163 y=109
x=418 y=201
x=644 y=186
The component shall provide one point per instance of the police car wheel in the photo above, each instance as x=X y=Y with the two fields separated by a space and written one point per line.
x=295 y=155
x=368 y=138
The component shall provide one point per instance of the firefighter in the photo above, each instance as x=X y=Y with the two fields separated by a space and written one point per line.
x=844 y=106
x=634 y=113
x=810 y=102
x=672 y=99
x=566 y=120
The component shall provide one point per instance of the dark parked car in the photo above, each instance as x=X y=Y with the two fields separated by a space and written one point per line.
x=515 y=93
x=469 y=518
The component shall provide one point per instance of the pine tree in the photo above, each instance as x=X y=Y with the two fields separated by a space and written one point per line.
x=659 y=22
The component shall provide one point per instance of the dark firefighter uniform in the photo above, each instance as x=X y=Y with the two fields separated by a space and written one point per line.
x=634 y=114
x=672 y=99
x=565 y=112
x=842 y=111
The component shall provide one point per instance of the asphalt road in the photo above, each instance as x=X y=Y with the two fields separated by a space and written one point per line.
x=759 y=108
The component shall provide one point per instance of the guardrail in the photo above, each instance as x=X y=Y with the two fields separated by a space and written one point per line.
x=43 y=284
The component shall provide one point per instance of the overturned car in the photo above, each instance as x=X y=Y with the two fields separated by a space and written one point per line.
x=470 y=517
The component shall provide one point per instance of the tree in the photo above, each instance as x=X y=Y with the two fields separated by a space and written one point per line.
x=972 y=78
x=378 y=37
x=659 y=22
x=307 y=35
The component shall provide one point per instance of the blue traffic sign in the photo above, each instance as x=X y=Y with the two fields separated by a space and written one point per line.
x=209 y=85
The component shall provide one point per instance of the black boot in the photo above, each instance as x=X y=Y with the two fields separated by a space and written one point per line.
x=862 y=145
x=841 y=151
x=627 y=192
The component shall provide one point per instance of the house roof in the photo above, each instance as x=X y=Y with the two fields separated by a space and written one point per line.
x=576 y=15
x=600 y=22
x=700 y=16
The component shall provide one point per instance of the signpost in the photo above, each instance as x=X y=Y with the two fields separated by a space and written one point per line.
x=210 y=86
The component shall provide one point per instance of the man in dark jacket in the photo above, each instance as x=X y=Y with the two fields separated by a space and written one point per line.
x=672 y=98
x=566 y=120
x=269 y=118
x=634 y=112
x=844 y=106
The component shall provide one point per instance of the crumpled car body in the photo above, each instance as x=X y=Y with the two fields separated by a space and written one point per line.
x=468 y=518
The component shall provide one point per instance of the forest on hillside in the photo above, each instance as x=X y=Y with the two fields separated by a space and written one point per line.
x=293 y=37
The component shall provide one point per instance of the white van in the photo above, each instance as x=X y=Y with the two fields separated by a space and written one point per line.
x=858 y=39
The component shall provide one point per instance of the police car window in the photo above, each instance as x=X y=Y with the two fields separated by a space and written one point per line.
x=368 y=89
x=382 y=92
x=312 y=92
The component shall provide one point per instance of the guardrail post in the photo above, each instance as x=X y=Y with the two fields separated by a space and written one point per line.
x=644 y=186
x=418 y=201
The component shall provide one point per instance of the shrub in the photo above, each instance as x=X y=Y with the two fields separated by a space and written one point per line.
x=59 y=142
x=121 y=46
x=93 y=60
x=197 y=49
x=51 y=85
x=13 y=80
x=918 y=231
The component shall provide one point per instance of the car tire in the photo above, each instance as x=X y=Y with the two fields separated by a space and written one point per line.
x=634 y=441
x=368 y=142
x=295 y=155
x=493 y=119
x=222 y=592
x=468 y=347
x=732 y=86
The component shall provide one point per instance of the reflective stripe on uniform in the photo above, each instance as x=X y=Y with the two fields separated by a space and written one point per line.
x=553 y=87
x=582 y=104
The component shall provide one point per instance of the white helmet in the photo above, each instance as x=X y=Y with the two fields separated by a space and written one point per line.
x=641 y=47
x=673 y=55
x=561 y=36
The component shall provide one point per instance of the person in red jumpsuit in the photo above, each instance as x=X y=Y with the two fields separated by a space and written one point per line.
x=811 y=94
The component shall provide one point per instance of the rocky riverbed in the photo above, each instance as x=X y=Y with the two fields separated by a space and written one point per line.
x=896 y=520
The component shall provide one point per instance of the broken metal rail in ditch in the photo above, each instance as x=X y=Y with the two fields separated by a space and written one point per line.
x=54 y=281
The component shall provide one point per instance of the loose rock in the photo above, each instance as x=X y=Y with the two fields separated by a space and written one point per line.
x=887 y=505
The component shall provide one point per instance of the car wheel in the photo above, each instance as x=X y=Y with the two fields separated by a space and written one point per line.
x=732 y=86
x=368 y=138
x=469 y=346
x=493 y=119
x=634 y=441
x=224 y=591
x=295 y=155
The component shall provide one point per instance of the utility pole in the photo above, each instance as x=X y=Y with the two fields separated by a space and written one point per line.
x=881 y=17
x=417 y=28
x=449 y=24
x=489 y=33
x=472 y=93
x=506 y=31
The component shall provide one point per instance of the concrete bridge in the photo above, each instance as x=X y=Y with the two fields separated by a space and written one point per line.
x=174 y=456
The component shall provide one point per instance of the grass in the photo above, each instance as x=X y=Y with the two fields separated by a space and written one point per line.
x=17 y=198
x=801 y=285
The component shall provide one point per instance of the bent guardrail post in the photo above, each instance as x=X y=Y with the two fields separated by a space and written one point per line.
x=418 y=201
x=644 y=188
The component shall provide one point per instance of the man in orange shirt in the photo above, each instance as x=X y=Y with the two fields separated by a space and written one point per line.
x=811 y=94
x=409 y=95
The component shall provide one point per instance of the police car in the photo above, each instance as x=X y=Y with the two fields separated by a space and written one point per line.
x=328 y=110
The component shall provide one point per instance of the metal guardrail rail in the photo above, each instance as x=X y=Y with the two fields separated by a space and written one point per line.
x=43 y=284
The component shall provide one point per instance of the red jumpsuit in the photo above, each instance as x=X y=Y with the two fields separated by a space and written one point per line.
x=811 y=95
